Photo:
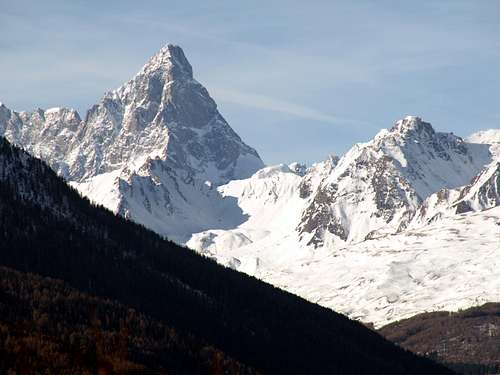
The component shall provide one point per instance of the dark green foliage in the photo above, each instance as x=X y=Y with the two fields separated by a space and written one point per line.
x=56 y=233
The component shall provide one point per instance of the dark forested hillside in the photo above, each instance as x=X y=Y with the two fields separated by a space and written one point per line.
x=468 y=340
x=48 y=229
x=45 y=324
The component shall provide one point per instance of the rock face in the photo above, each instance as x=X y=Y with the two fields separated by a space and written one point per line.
x=162 y=113
x=481 y=193
x=377 y=186
x=47 y=134
x=150 y=150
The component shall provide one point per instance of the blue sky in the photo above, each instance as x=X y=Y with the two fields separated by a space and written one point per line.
x=297 y=80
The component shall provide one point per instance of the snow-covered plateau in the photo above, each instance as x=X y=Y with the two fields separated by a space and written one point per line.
x=405 y=223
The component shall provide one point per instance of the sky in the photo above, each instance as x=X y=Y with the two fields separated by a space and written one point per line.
x=297 y=80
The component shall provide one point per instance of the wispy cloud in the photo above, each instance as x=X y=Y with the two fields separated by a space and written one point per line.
x=277 y=105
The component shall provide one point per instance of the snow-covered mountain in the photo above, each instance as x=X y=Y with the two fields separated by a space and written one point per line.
x=151 y=150
x=343 y=232
x=349 y=233
x=162 y=114
x=376 y=188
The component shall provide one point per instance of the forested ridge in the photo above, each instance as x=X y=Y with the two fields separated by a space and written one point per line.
x=48 y=229
x=467 y=340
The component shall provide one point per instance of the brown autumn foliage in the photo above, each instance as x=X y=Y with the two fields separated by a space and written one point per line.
x=47 y=327
x=469 y=336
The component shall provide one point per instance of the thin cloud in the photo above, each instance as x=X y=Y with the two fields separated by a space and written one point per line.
x=276 y=105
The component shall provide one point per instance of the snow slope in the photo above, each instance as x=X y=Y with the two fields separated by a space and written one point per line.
x=481 y=193
x=489 y=136
x=448 y=265
x=270 y=205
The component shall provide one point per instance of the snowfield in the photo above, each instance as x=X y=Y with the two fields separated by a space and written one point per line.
x=450 y=265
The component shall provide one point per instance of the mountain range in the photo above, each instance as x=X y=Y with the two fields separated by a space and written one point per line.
x=149 y=150
x=85 y=291
x=403 y=224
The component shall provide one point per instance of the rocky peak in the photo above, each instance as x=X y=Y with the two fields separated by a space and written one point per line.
x=64 y=115
x=298 y=168
x=4 y=113
x=169 y=64
x=377 y=186
x=413 y=126
x=172 y=61
x=163 y=91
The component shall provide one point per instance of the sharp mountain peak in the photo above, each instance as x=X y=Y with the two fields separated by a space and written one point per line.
x=413 y=125
x=169 y=59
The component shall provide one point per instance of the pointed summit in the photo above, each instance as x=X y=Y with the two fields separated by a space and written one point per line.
x=148 y=150
x=171 y=60
x=4 y=111
x=164 y=82
x=162 y=112
x=413 y=125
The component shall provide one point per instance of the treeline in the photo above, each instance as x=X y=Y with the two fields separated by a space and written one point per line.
x=48 y=229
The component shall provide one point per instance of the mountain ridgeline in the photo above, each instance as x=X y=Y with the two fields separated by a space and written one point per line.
x=149 y=150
